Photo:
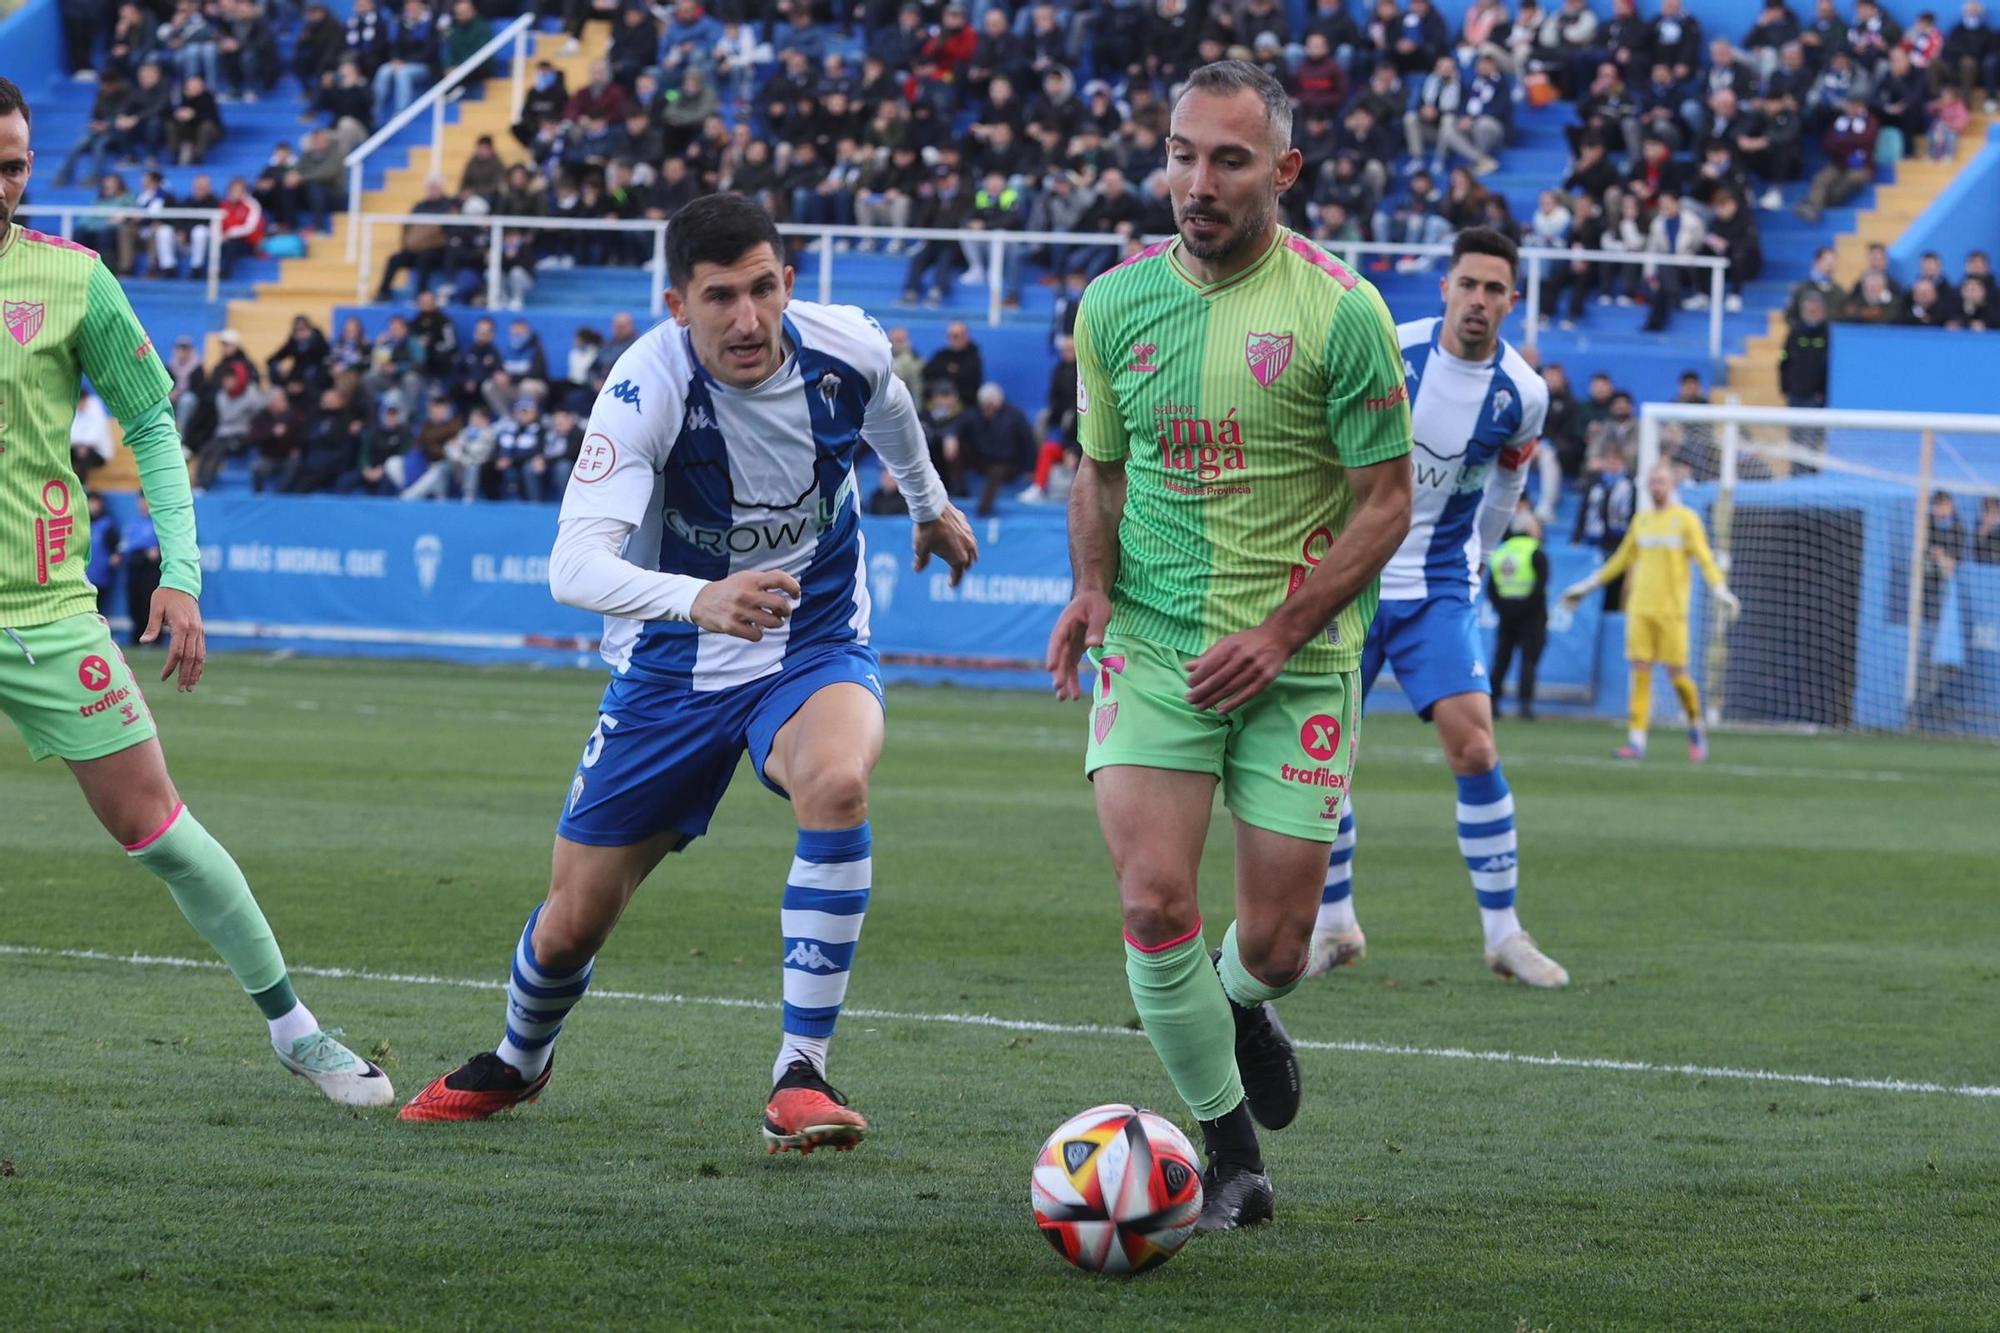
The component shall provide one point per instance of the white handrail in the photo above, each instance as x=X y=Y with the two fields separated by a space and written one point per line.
x=433 y=101
x=994 y=241
x=68 y=213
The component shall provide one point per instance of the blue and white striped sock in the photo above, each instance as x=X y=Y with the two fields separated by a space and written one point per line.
x=1486 y=840
x=538 y=1000
x=1336 y=900
x=826 y=899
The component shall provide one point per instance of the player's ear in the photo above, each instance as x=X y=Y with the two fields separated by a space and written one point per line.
x=677 y=306
x=790 y=273
x=1289 y=165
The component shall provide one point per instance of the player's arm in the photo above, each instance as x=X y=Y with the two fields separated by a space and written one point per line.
x=1704 y=556
x=896 y=433
x=609 y=491
x=1509 y=477
x=1096 y=507
x=1368 y=422
x=125 y=370
x=1621 y=560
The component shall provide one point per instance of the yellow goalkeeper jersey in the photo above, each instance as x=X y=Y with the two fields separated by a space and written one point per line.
x=1654 y=556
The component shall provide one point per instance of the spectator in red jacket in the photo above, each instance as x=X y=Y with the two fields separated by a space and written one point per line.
x=242 y=224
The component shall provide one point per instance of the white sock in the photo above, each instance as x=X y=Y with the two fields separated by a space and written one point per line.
x=288 y=1027
x=800 y=1048
x=1635 y=738
x=1500 y=922
x=1337 y=917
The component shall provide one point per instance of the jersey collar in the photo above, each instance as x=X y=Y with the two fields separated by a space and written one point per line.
x=1278 y=240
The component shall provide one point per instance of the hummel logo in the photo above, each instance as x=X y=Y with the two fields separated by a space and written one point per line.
x=1494 y=865
x=625 y=391
x=806 y=954
x=1142 y=357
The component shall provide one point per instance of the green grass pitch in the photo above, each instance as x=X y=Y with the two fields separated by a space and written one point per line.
x=1801 y=906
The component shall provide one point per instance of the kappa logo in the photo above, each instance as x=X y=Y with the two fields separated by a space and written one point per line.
x=625 y=391
x=1495 y=865
x=1142 y=358
x=698 y=418
x=807 y=955
x=1267 y=354
x=24 y=319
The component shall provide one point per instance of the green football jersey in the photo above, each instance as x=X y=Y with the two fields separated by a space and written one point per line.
x=65 y=316
x=1236 y=408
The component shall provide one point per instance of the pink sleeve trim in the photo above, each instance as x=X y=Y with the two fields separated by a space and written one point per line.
x=1173 y=943
x=160 y=832
x=1322 y=261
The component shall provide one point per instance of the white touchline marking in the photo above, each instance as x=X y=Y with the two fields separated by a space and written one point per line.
x=1064 y=1029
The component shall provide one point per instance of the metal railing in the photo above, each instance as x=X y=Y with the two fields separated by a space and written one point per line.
x=434 y=100
x=67 y=214
x=993 y=243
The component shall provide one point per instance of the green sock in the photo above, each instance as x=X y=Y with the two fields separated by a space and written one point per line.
x=1243 y=988
x=215 y=898
x=1187 y=1017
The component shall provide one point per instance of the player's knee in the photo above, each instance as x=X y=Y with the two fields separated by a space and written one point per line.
x=1274 y=957
x=1157 y=908
x=831 y=793
x=569 y=932
x=1474 y=754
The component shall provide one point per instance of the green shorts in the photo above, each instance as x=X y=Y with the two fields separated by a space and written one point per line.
x=68 y=689
x=1285 y=759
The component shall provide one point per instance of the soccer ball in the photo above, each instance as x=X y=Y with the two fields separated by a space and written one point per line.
x=1116 y=1190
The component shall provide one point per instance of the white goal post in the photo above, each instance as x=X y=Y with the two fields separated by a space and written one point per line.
x=1866 y=549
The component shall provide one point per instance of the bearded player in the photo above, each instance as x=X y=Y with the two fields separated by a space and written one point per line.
x=1245 y=477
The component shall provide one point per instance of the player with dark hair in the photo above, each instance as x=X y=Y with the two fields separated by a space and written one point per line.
x=1477 y=410
x=1240 y=406
x=62 y=679
x=712 y=518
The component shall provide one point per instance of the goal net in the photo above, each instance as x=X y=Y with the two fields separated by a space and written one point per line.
x=1865 y=547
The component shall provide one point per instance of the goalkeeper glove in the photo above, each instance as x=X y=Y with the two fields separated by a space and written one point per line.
x=1576 y=592
x=1731 y=604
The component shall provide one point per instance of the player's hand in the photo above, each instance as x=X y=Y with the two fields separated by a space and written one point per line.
x=188 y=650
x=948 y=536
x=1574 y=594
x=1237 y=669
x=1732 y=605
x=744 y=605
x=1080 y=626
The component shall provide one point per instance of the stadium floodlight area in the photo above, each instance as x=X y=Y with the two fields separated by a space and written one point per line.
x=1871 y=596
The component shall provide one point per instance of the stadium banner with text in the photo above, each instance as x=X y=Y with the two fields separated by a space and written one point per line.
x=469 y=583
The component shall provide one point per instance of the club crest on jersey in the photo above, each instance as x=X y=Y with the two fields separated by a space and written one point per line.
x=24 y=320
x=1268 y=355
x=1502 y=400
x=829 y=388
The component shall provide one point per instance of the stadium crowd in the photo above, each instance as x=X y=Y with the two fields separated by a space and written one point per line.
x=985 y=116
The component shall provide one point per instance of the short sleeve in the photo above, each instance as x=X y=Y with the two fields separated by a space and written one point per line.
x=115 y=352
x=630 y=433
x=1100 y=422
x=1367 y=399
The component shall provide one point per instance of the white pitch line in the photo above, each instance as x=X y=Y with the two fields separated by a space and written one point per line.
x=1551 y=1061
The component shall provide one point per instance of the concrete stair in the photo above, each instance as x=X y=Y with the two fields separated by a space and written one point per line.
x=1753 y=373
x=322 y=278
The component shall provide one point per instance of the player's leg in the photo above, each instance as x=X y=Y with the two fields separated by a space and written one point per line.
x=1486 y=837
x=1673 y=656
x=73 y=696
x=1153 y=763
x=1338 y=940
x=1534 y=639
x=1642 y=649
x=821 y=756
x=652 y=772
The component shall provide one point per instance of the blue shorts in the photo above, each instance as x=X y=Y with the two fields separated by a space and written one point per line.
x=1432 y=645
x=662 y=755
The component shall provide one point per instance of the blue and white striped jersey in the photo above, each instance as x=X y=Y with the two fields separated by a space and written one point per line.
x=716 y=480
x=1475 y=427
